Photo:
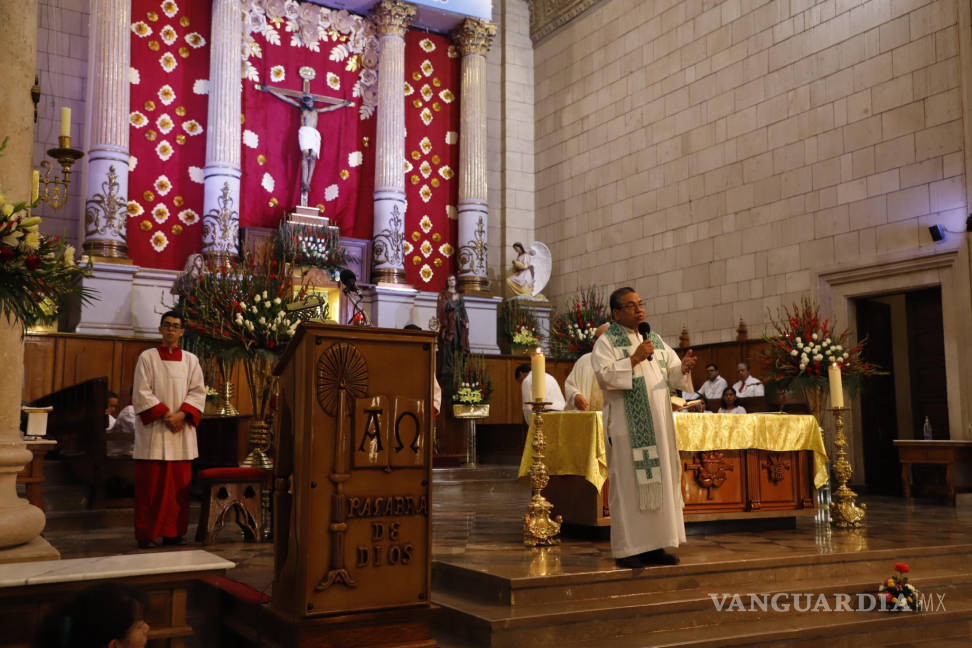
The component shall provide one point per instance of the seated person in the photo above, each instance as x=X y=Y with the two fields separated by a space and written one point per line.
x=747 y=386
x=581 y=388
x=121 y=432
x=524 y=375
x=730 y=404
x=112 y=410
x=103 y=616
x=714 y=384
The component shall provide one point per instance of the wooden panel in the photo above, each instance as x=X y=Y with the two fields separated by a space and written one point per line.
x=85 y=358
x=38 y=366
x=777 y=478
x=713 y=481
x=128 y=352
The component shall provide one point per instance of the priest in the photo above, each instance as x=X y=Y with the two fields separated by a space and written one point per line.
x=169 y=396
x=637 y=375
x=580 y=388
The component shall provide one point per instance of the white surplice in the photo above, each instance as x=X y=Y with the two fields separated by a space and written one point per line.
x=634 y=531
x=172 y=383
x=582 y=381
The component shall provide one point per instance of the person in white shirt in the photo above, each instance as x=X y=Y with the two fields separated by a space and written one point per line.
x=747 y=386
x=730 y=405
x=554 y=396
x=581 y=388
x=715 y=384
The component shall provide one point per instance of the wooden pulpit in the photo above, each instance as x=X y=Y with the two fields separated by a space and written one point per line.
x=352 y=532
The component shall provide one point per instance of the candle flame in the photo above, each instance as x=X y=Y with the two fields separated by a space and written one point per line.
x=539 y=350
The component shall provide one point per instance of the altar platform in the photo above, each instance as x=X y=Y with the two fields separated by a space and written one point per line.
x=492 y=591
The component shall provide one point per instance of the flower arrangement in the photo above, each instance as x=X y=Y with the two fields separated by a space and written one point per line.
x=242 y=306
x=470 y=380
x=572 y=331
x=37 y=273
x=900 y=595
x=518 y=326
x=310 y=246
x=804 y=346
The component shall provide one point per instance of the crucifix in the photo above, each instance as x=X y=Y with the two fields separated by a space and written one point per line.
x=308 y=137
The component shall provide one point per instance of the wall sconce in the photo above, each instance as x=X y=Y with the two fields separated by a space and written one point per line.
x=66 y=157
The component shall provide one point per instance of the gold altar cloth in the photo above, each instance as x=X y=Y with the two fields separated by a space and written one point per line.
x=575 y=440
x=575 y=446
x=774 y=432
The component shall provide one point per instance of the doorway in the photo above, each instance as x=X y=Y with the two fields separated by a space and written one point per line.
x=905 y=336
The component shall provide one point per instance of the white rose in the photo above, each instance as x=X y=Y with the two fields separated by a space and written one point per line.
x=814 y=336
x=794 y=353
x=256 y=298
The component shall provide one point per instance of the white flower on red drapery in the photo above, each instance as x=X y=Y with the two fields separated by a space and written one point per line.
x=159 y=241
x=170 y=8
x=162 y=185
x=192 y=127
x=189 y=216
x=166 y=94
x=168 y=35
x=267 y=182
x=168 y=62
x=251 y=139
x=164 y=122
x=195 y=39
x=134 y=77
x=164 y=150
x=331 y=192
x=134 y=209
x=160 y=213
x=200 y=87
x=196 y=174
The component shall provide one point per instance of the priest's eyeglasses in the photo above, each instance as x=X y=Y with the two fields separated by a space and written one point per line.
x=633 y=306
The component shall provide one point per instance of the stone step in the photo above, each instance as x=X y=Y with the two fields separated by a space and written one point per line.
x=491 y=587
x=694 y=620
x=480 y=473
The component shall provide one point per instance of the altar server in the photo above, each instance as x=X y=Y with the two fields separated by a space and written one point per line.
x=637 y=376
x=581 y=389
x=169 y=395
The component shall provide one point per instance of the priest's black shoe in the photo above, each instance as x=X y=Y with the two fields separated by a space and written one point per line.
x=147 y=544
x=629 y=562
x=657 y=557
x=178 y=541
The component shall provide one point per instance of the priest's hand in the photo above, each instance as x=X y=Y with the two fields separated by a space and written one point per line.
x=688 y=362
x=642 y=352
x=580 y=402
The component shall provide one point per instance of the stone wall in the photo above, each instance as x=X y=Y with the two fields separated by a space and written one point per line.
x=721 y=156
x=62 y=66
x=510 y=127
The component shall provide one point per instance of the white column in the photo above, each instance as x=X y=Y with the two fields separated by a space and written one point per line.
x=106 y=190
x=392 y=18
x=221 y=219
x=473 y=38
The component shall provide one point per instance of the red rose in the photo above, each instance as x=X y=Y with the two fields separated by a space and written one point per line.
x=901 y=567
x=6 y=253
x=32 y=262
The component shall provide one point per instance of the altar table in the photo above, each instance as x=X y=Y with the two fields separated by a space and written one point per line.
x=733 y=465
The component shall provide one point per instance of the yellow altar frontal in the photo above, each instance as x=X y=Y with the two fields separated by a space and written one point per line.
x=733 y=465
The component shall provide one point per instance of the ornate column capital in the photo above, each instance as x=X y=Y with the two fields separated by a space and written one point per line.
x=474 y=36
x=393 y=17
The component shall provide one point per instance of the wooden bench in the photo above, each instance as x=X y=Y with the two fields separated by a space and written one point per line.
x=947 y=453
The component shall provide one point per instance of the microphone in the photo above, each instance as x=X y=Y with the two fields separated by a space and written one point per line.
x=348 y=281
x=645 y=329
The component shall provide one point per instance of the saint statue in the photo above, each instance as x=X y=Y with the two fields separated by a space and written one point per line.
x=308 y=137
x=453 y=324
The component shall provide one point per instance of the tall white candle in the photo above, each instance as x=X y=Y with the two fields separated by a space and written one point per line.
x=538 y=369
x=34 y=185
x=65 y=122
x=836 y=386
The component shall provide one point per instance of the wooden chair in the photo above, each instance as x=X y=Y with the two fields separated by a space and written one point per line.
x=225 y=490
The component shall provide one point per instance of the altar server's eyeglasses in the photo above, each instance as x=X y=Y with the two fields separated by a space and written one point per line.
x=171 y=325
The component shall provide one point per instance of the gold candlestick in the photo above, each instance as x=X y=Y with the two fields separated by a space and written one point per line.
x=538 y=528
x=844 y=512
x=66 y=156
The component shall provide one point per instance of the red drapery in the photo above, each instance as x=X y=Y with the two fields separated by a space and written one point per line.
x=341 y=50
x=169 y=79
x=431 y=158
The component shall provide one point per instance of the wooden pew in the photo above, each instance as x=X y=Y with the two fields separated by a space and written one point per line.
x=78 y=423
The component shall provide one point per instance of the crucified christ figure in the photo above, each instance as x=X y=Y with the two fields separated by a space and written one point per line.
x=308 y=137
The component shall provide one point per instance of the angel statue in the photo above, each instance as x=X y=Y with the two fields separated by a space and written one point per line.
x=531 y=270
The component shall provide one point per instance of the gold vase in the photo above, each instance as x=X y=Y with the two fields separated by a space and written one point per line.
x=263 y=388
x=816 y=399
